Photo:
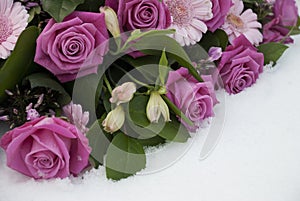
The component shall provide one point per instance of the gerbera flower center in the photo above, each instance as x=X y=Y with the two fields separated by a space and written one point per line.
x=181 y=11
x=5 y=28
x=235 y=20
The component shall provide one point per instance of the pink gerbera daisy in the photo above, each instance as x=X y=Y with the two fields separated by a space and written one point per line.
x=187 y=19
x=238 y=22
x=13 y=20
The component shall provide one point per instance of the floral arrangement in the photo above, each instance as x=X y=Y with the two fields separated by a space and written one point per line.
x=85 y=83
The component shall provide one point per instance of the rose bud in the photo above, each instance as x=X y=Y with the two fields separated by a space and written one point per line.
x=157 y=106
x=114 y=120
x=123 y=93
x=111 y=21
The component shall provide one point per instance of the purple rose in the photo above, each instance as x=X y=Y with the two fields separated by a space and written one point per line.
x=220 y=10
x=46 y=148
x=141 y=14
x=274 y=32
x=240 y=65
x=195 y=99
x=286 y=11
x=74 y=47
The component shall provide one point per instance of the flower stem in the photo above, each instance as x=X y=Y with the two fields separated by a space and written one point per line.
x=107 y=84
x=132 y=78
x=177 y=110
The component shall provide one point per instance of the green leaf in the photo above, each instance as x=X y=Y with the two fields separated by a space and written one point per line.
x=177 y=111
x=295 y=30
x=44 y=80
x=99 y=141
x=146 y=65
x=91 y=5
x=154 y=141
x=163 y=68
x=217 y=39
x=154 y=45
x=33 y=11
x=125 y=157
x=137 y=34
x=137 y=110
x=20 y=62
x=272 y=51
x=59 y=9
x=174 y=131
x=87 y=91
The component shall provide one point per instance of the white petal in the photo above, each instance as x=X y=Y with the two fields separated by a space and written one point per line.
x=8 y=45
x=4 y=53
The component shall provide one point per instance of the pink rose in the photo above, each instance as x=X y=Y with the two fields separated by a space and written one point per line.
x=75 y=46
x=274 y=32
x=195 y=99
x=286 y=11
x=220 y=10
x=141 y=14
x=46 y=148
x=240 y=65
x=285 y=14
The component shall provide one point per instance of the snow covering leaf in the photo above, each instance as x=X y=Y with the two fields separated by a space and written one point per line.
x=125 y=157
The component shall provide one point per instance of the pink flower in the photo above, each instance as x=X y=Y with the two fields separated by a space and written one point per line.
x=195 y=99
x=238 y=22
x=46 y=148
x=141 y=14
x=285 y=14
x=220 y=10
x=286 y=11
x=274 y=32
x=188 y=18
x=73 y=48
x=13 y=21
x=240 y=65
x=76 y=116
x=123 y=93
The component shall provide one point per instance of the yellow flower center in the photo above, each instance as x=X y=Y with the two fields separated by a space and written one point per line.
x=235 y=20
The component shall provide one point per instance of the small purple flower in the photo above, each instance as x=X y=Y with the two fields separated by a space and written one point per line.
x=32 y=114
x=214 y=53
x=76 y=116
x=4 y=118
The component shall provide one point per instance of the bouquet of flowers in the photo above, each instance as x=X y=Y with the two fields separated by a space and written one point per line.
x=89 y=83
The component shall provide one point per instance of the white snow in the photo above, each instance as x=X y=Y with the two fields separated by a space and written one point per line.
x=256 y=159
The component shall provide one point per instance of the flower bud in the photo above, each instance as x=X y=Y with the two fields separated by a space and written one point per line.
x=123 y=93
x=32 y=114
x=215 y=53
x=111 y=21
x=114 y=120
x=157 y=106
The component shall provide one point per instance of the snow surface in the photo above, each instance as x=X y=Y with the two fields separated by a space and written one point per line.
x=256 y=159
